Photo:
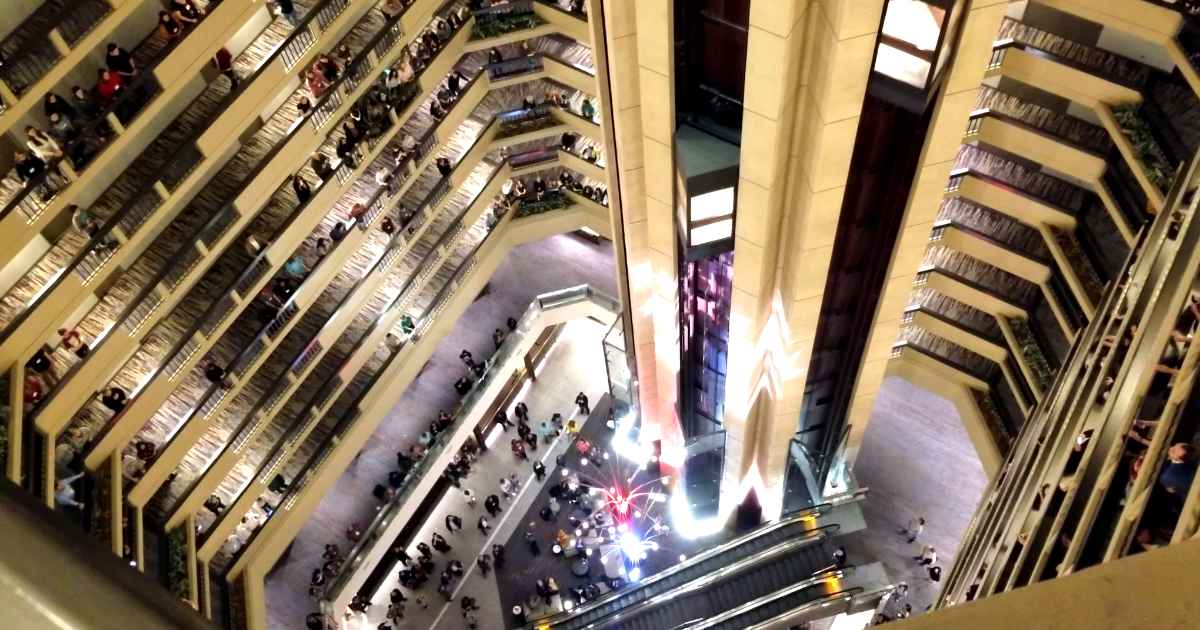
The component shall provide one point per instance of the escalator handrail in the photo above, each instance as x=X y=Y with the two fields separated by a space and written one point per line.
x=736 y=611
x=809 y=513
x=724 y=573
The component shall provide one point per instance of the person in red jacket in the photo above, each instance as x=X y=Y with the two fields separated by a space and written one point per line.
x=108 y=85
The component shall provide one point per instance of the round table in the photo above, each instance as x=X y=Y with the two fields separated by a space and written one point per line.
x=556 y=549
x=580 y=567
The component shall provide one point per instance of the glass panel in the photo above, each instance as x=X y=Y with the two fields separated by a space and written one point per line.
x=711 y=232
x=902 y=66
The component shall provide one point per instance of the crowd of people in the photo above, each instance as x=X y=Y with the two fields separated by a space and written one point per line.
x=73 y=128
x=417 y=572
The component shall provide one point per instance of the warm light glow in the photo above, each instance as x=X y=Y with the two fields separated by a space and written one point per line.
x=914 y=22
x=711 y=232
x=902 y=66
x=710 y=205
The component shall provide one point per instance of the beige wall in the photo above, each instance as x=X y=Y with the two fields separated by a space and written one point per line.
x=638 y=41
x=1150 y=590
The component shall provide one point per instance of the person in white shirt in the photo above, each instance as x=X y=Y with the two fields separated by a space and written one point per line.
x=928 y=556
x=915 y=528
x=64 y=493
x=244 y=529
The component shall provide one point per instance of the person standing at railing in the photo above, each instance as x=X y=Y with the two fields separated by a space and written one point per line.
x=316 y=82
x=587 y=110
x=84 y=102
x=223 y=62
x=321 y=166
x=55 y=104
x=287 y=10
x=120 y=61
x=108 y=86
x=442 y=29
x=346 y=151
x=454 y=83
x=168 y=27
x=437 y=111
x=64 y=492
x=392 y=8
x=42 y=144
x=186 y=12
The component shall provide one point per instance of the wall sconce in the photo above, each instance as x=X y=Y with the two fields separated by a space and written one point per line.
x=705 y=192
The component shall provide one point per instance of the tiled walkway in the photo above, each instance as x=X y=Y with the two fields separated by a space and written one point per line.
x=572 y=366
x=547 y=265
x=917 y=460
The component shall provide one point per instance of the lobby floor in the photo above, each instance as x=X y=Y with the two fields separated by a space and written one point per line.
x=551 y=264
x=917 y=460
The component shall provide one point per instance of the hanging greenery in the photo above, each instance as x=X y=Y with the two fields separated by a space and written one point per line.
x=553 y=200
x=1032 y=352
x=177 y=570
x=991 y=415
x=525 y=125
x=503 y=24
x=1081 y=263
x=1154 y=162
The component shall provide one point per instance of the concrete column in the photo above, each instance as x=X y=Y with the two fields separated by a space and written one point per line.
x=777 y=47
x=953 y=107
x=639 y=39
x=808 y=67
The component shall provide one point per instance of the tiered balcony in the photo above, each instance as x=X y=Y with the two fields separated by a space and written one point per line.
x=269 y=358
x=170 y=75
x=125 y=316
x=1083 y=483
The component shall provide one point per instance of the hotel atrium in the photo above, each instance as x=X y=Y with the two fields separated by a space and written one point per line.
x=462 y=314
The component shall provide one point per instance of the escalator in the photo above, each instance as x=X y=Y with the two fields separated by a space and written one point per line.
x=811 y=599
x=790 y=552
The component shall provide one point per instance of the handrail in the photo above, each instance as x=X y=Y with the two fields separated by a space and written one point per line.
x=181 y=254
x=104 y=234
x=737 y=611
x=846 y=596
x=463 y=408
x=989 y=112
